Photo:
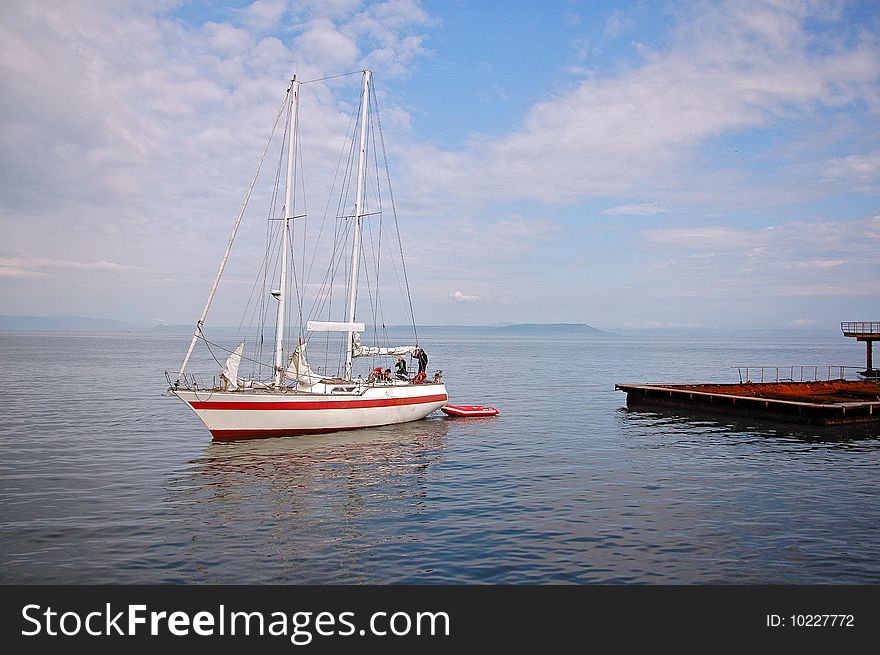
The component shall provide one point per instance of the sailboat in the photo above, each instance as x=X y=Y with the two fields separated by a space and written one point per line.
x=291 y=397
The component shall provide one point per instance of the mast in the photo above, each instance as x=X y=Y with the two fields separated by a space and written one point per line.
x=197 y=334
x=285 y=234
x=358 y=213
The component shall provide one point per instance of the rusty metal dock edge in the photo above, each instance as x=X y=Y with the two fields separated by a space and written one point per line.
x=660 y=395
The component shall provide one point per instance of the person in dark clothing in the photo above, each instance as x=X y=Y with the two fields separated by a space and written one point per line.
x=422 y=356
x=400 y=370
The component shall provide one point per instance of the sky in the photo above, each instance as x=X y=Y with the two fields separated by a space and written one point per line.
x=622 y=164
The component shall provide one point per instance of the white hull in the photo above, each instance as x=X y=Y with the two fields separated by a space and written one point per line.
x=249 y=413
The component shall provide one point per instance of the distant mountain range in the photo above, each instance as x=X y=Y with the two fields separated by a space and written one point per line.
x=62 y=324
x=87 y=324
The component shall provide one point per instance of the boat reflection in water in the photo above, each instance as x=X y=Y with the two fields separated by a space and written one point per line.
x=317 y=508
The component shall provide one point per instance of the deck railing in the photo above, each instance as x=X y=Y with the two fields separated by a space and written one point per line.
x=860 y=327
x=796 y=373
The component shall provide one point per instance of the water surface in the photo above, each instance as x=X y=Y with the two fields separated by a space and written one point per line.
x=105 y=479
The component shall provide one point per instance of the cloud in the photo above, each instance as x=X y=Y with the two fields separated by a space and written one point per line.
x=860 y=172
x=227 y=40
x=816 y=263
x=802 y=322
x=163 y=120
x=146 y=161
x=458 y=296
x=263 y=14
x=861 y=166
x=645 y=209
x=714 y=237
x=796 y=258
x=324 y=41
x=727 y=69
x=38 y=265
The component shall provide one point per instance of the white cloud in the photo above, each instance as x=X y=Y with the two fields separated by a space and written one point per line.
x=41 y=263
x=126 y=130
x=823 y=258
x=861 y=172
x=325 y=42
x=162 y=121
x=733 y=67
x=816 y=263
x=263 y=14
x=644 y=209
x=227 y=40
x=714 y=237
x=802 y=322
x=616 y=24
x=862 y=166
x=458 y=296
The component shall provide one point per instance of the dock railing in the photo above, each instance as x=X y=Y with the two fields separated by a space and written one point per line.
x=796 y=373
x=860 y=327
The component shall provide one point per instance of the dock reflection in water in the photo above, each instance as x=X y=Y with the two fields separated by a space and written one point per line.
x=319 y=507
x=709 y=425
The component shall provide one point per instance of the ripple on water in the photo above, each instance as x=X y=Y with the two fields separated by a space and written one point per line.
x=121 y=484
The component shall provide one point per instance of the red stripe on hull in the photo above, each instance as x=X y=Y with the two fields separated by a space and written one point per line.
x=318 y=404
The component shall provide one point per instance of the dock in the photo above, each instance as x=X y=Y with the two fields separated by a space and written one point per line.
x=869 y=332
x=781 y=393
x=831 y=402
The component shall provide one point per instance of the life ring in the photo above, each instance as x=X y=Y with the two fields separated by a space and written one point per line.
x=420 y=378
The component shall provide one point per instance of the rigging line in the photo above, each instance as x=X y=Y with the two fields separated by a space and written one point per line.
x=216 y=345
x=301 y=291
x=363 y=255
x=328 y=296
x=345 y=188
x=259 y=325
x=292 y=276
x=264 y=296
x=270 y=226
x=352 y=294
x=333 y=77
x=270 y=212
x=332 y=270
x=368 y=271
x=247 y=198
x=330 y=197
x=396 y=223
x=377 y=312
x=208 y=346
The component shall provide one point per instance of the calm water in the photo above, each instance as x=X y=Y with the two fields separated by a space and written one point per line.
x=107 y=480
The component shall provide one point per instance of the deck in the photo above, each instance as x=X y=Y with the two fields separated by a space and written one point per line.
x=832 y=402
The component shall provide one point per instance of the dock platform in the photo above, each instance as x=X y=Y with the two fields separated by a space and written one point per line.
x=832 y=402
x=869 y=332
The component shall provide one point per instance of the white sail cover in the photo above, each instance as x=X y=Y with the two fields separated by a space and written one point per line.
x=230 y=369
x=357 y=350
x=298 y=368
x=334 y=326
x=367 y=351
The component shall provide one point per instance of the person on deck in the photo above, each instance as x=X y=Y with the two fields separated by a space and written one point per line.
x=423 y=359
x=400 y=370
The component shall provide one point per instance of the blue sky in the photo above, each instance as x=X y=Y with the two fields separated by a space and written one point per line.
x=623 y=164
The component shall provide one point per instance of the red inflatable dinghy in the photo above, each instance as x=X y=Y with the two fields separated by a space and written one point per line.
x=469 y=410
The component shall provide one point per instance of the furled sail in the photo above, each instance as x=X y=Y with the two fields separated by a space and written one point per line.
x=357 y=350
x=230 y=369
x=334 y=326
x=298 y=368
